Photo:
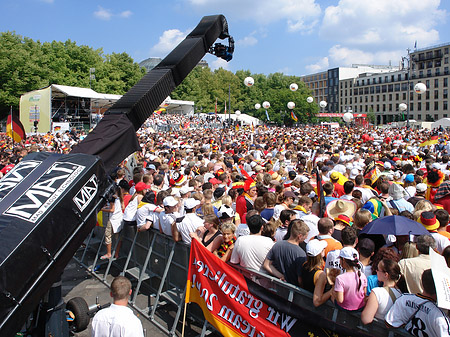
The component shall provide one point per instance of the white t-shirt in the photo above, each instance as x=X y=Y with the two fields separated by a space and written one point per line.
x=189 y=224
x=250 y=251
x=166 y=221
x=147 y=213
x=384 y=300
x=420 y=316
x=117 y=321
x=116 y=217
x=130 y=211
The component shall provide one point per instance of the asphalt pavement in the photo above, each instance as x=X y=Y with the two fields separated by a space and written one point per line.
x=78 y=282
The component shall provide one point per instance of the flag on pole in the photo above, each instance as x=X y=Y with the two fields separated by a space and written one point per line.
x=293 y=116
x=237 y=127
x=267 y=115
x=253 y=128
x=14 y=128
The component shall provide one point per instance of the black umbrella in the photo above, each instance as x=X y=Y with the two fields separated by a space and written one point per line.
x=395 y=225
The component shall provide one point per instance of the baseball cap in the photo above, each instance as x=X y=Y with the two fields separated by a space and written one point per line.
x=315 y=247
x=142 y=186
x=421 y=187
x=409 y=178
x=353 y=173
x=190 y=203
x=169 y=201
x=186 y=189
x=349 y=253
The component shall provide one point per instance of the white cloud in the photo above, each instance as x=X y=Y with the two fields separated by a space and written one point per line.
x=300 y=15
x=103 y=13
x=168 y=41
x=384 y=23
x=321 y=65
x=126 y=14
x=247 y=41
x=219 y=63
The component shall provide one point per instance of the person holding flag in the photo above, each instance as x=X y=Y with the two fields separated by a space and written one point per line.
x=14 y=128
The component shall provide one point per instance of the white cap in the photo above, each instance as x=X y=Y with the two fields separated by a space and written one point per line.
x=315 y=247
x=190 y=203
x=186 y=189
x=387 y=165
x=169 y=201
x=353 y=173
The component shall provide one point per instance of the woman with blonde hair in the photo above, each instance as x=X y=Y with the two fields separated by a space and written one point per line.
x=422 y=206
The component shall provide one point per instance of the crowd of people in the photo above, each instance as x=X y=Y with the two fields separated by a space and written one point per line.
x=293 y=203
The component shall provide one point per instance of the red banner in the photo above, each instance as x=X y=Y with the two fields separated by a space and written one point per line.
x=222 y=293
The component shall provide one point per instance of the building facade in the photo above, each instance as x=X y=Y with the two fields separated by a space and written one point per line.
x=379 y=90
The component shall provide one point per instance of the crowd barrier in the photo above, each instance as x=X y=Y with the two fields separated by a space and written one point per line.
x=159 y=267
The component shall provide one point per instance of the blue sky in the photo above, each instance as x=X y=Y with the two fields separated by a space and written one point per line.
x=295 y=37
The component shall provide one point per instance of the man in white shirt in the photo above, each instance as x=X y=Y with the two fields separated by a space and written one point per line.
x=187 y=224
x=250 y=251
x=117 y=320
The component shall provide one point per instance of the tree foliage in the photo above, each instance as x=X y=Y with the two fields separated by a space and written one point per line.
x=204 y=86
x=27 y=65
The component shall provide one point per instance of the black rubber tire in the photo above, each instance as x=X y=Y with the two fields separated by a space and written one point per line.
x=80 y=309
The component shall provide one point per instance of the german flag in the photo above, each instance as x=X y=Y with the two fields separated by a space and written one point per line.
x=431 y=141
x=14 y=128
x=294 y=117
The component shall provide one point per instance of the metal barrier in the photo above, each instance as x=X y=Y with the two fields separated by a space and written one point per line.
x=159 y=267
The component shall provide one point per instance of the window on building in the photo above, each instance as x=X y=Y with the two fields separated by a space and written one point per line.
x=386 y=79
x=374 y=81
x=392 y=78
x=372 y=90
x=390 y=97
x=360 y=99
x=404 y=86
x=411 y=96
x=351 y=100
x=445 y=116
x=420 y=74
x=377 y=89
x=436 y=106
x=397 y=87
x=419 y=117
x=436 y=94
x=444 y=105
x=427 y=106
x=445 y=60
x=436 y=83
x=445 y=93
x=429 y=72
x=399 y=77
x=397 y=97
x=411 y=106
x=427 y=94
x=437 y=63
x=419 y=106
x=438 y=72
x=383 y=88
x=445 y=70
x=368 y=81
x=362 y=82
x=445 y=85
x=436 y=117
x=429 y=64
x=366 y=98
x=378 y=108
x=390 y=107
x=371 y=98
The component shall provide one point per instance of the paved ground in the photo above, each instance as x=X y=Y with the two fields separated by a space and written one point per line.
x=77 y=282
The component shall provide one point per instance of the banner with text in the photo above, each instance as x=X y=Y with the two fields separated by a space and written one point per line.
x=236 y=306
